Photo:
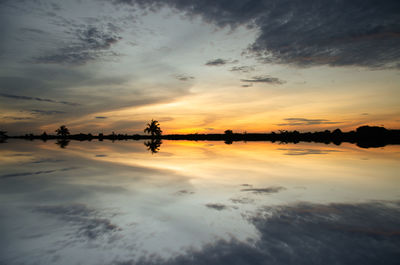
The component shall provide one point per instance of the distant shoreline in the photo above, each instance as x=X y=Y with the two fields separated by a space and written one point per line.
x=365 y=137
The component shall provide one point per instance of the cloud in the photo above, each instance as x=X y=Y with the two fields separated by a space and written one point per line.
x=15 y=118
x=264 y=79
x=305 y=33
x=183 y=77
x=303 y=121
x=216 y=62
x=89 y=225
x=90 y=43
x=305 y=233
x=37 y=99
x=243 y=69
x=46 y=112
x=32 y=30
x=101 y=117
x=247 y=85
x=217 y=206
x=306 y=151
x=268 y=190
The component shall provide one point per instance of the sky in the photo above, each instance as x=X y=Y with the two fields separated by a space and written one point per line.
x=198 y=66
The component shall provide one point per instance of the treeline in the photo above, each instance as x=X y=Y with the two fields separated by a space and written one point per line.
x=365 y=136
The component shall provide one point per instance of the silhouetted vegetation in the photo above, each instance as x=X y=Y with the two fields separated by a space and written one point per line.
x=62 y=131
x=365 y=136
x=153 y=145
x=3 y=136
x=153 y=128
x=62 y=143
x=44 y=136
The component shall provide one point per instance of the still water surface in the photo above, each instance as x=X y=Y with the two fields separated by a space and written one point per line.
x=198 y=203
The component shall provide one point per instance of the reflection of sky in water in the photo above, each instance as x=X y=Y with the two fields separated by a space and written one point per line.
x=198 y=202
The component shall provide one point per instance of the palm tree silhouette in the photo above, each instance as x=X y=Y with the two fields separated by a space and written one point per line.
x=153 y=145
x=62 y=131
x=153 y=128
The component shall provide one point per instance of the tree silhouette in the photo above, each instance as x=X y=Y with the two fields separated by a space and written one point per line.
x=228 y=132
x=62 y=131
x=3 y=134
x=153 y=128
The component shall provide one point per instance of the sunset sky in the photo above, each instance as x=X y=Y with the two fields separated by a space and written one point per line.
x=198 y=66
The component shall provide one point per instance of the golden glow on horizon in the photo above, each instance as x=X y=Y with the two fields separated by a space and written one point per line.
x=253 y=109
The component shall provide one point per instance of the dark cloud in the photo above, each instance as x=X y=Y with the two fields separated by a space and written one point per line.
x=306 y=234
x=216 y=62
x=306 y=151
x=247 y=85
x=41 y=172
x=268 y=190
x=46 y=112
x=243 y=69
x=303 y=121
x=264 y=79
x=90 y=43
x=37 y=99
x=306 y=32
x=217 y=206
x=89 y=225
x=96 y=39
x=183 y=77
x=101 y=117
x=15 y=118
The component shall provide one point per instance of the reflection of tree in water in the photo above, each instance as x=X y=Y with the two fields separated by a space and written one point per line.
x=228 y=141
x=62 y=143
x=153 y=145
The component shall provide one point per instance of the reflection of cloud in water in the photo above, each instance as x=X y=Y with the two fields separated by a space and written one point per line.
x=22 y=154
x=217 y=206
x=242 y=200
x=86 y=220
x=306 y=233
x=184 y=192
x=49 y=160
x=22 y=174
x=268 y=190
x=307 y=151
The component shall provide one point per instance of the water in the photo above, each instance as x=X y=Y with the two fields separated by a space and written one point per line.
x=198 y=203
